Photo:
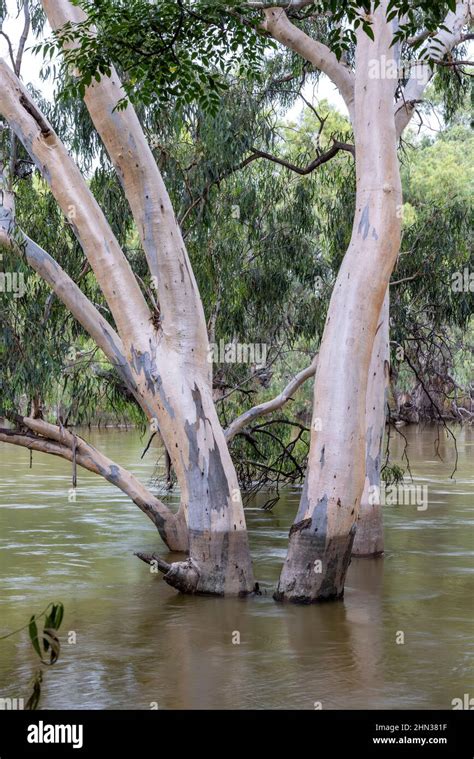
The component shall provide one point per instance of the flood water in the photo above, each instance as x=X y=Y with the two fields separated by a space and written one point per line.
x=141 y=644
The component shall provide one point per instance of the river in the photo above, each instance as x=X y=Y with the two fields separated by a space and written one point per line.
x=401 y=638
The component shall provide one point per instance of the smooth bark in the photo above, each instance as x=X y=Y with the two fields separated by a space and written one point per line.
x=322 y=536
x=167 y=357
x=369 y=537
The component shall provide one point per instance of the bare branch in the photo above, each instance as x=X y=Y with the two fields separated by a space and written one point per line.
x=256 y=154
x=266 y=408
x=319 y=55
x=10 y=48
x=23 y=38
x=38 y=435
x=287 y=5
x=447 y=37
x=303 y=171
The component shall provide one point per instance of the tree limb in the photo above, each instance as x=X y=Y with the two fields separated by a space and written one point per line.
x=287 y=5
x=256 y=154
x=38 y=435
x=449 y=35
x=275 y=403
x=303 y=171
x=319 y=55
x=112 y=270
x=167 y=258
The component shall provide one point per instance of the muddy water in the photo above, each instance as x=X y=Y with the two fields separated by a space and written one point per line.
x=138 y=643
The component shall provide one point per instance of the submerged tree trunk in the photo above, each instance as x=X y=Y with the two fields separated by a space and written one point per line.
x=369 y=540
x=321 y=538
x=164 y=361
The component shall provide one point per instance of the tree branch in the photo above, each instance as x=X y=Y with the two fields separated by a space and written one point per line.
x=65 y=288
x=449 y=35
x=320 y=56
x=287 y=5
x=112 y=270
x=256 y=154
x=38 y=435
x=275 y=403
x=167 y=258
x=303 y=171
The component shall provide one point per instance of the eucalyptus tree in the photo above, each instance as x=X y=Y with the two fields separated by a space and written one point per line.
x=364 y=46
x=161 y=353
x=360 y=58
x=380 y=105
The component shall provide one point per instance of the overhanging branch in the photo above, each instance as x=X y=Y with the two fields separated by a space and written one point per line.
x=41 y=436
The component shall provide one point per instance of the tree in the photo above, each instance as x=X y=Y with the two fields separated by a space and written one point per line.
x=161 y=355
x=380 y=108
x=321 y=537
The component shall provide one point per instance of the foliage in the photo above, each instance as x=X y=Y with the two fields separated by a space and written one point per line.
x=45 y=644
x=197 y=43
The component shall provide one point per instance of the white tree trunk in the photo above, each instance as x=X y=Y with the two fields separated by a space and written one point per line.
x=321 y=539
x=369 y=539
x=166 y=363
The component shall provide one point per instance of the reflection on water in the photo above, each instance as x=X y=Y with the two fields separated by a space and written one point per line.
x=139 y=642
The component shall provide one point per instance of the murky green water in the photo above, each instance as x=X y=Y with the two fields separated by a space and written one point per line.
x=138 y=642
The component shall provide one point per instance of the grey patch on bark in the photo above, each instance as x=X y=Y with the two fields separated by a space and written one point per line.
x=375 y=235
x=213 y=488
x=372 y=465
x=319 y=518
x=143 y=362
x=114 y=473
x=321 y=459
x=298 y=526
x=122 y=367
x=364 y=223
x=300 y=584
x=222 y=557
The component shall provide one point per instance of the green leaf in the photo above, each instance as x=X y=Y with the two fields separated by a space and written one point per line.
x=33 y=631
x=368 y=30
x=57 y=615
